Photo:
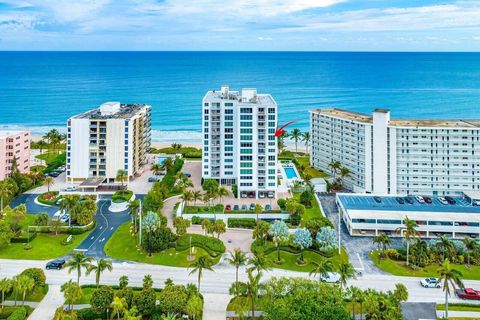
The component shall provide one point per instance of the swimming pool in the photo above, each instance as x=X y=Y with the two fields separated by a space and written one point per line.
x=290 y=172
x=161 y=160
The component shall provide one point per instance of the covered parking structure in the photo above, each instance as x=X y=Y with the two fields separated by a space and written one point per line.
x=369 y=215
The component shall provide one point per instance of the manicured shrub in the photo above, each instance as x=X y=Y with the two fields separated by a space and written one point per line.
x=101 y=298
x=89 y=314
x=218 y=208
x=24 y=239
x=173 y=299
x=37 y=275
x=160 y=239
x=122 y=195
x=145 y=301
x=20 y=313
x=212 y=245
x=41 y=219
x=48 y=198
x=247 y=223
x=282 y=203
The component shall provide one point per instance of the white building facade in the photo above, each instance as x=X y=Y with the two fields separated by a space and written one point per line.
x=390 y=156
x=239 y=143
x=102 y=141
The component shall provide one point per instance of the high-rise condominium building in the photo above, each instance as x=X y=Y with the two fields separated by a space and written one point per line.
x=14 y=144
x=239 y=143
x=393 y=156
x=102 y=141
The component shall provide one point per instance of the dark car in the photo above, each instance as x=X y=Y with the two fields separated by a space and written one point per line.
x=252 y=206
x=400 y=200
x=55 y=264
x=450 y=200
x=427 y=199
x=377 y=199
x=235 y=207
x=244 y=207
x=409 y=200
x=54 y=174
x=228 y=207
x=154 y=179
x=188 y=175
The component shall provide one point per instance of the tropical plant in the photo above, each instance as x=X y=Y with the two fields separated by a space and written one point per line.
x=134 y=207
x=181 y=225
x=196 y=195
x=237 y=259
x=201 y=264
x=327 y=239
x=206 y=226
x=257 y=209
x=222 y=192
x=335 y=166
x=253 y=287
x=150 y=224
x=147 y=282
x=49 y=182
x=71 y=292
x=23 y=284
x=187 y=196
x=451 y=278
x=78 y=262
x=5 y=286
x=409 y=232
x=444 y=246
x=122 y=176
x=101 y=266
x=219 y=227
x=261 y=231
x=303 y=239
x=383 y=241
x=322 y=268
x=156 y=168
x=167 y=164
x=346 y=271
x=295 y=135
x=5 y=193
x=279 y=231
x=119 y=306
x=259 y=262
x=472 y=247
x=306 y=140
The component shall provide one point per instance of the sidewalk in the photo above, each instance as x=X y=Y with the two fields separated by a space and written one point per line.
x=459 y=314
x=215 y=306
x=46 y=308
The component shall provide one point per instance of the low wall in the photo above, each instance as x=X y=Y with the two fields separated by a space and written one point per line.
x=226 y=216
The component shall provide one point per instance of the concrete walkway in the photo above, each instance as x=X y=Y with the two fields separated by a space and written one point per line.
x=19 y=303
x=215 y=306
x=459 y=314
x=46 y=308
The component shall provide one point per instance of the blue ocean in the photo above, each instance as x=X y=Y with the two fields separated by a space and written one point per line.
x=40 y=90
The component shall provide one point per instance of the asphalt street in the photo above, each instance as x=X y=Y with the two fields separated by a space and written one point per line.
x=29 y=200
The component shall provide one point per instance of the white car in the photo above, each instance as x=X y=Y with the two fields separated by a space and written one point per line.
x=71 y=188
x=442 y=200
x=64 y=218
x=330 y=277
x=420 y=199
x=430 y=283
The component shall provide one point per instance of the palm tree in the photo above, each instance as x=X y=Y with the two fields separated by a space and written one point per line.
x=196 y=195
x=344 y=173
x=67 y=204
x=253 y=287
x=49 y=182
x=335 y=166
x=71 y=292
x=24 y=284
x=322 y=268
x=122 y=176
x=176 y=147
x=445 y=246
x=295 y=135
x=156 y=168
x=222 y=192
x=237 y=258
x=187 y=196
x=383 y=241
x=257 y=209
x=346 y=271
x=101 y=266
x=119 y=305
x=78 y=262
x=409 y=233
x=202 y=263
x=259 y=262
x=355 y=294
x=167 y=164
x=5 y=286
x=5 y=193
x=134 y=206
x=306 y=140
x=472 y=247
x=451 y=278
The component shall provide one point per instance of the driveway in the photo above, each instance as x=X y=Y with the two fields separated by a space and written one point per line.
x=195 y=170
x=107 y=223
x=29 y=200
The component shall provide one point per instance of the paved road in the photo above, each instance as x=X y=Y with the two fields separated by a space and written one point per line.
x=29 y=200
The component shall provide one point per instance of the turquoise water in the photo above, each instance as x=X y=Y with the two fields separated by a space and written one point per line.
x=161 y=160
x=41 y=90
x=290 y=172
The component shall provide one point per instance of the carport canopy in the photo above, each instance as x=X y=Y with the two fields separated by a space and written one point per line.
x=91 y=184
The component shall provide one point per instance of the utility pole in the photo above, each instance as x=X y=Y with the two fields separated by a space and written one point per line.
x=339 y=231
x=140 y=214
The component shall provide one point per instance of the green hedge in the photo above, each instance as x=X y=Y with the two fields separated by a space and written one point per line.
x=247 y=223
x=75 y=230
x=204 y=209
x=213 y=246
x=29 y=238
x=19 y=314
x=169 y=179
x=269 y=247
x=50 y=202
x=198 y=220
x=122 y=195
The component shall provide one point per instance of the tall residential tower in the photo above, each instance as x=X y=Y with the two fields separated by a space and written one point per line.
x=14 y=144
x=102 y=141
x=239 y=143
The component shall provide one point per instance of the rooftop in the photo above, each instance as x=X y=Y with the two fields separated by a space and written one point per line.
x=246 y=95
x=6 y=133
x=360 y=117
x=108 y=111
x=389 y=203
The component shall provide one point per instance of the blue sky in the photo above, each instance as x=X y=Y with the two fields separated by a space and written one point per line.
x=319 y=25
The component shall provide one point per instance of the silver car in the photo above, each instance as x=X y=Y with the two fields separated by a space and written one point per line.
x=430 y=283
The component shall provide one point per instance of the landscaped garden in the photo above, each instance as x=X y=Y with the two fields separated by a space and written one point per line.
x=49 y=198
x=188 y=153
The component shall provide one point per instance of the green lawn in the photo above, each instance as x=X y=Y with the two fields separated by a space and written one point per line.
x=460 y=307
x=44 y=246
x=398 y=268
x=289 y=260
x=36 y=295
x=48 y=156
x=310 y=213
x=314 y=173
x=123 y=246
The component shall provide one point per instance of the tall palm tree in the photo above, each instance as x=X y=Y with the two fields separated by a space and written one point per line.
x=102 y=265
x=259 y=262
x=71 y=292
x=79 y=262
x=176 y=147
x=451 y=278
x=222 y=192
x=257 y=209
x=253 y=287
x=472 y=247
x=346 y=271
x=49 y=182
x=42 y=145
x=383 y=241
x=5 y=286
x=196 y=195
x=335 y=165
x=24 y=284
x=344 y=173
x=355 y=294
x=306 y=140
x=167 y=164
x=156 y=168
x=5 y=193
x=202 y=263
x=119 y=305
x=322 y=268
x=67 y=205
x=134 y=206
x=445 y=246
x=237 y=258
x=295 y=135
x=187 y=196
x=122 y=176
x=409 y=232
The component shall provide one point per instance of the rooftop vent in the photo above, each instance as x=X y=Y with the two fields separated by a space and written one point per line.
x=109 y=108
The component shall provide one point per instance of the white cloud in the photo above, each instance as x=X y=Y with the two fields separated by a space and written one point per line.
x=265 y=38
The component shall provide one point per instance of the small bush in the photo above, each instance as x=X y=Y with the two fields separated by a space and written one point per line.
x=212 y=245
x=204 y=209
x=19 y=314
x=24 y=239
x=48 y=198
x=37 y=275
x=248 y=223
x=122 y=195
x=282 y=203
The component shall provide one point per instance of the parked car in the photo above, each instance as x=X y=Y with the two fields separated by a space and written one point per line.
x=442 y=200
x=54 y=174
x=243 y=195
x=268 y=207
x=59 y=201
x=400 y=200
x=228 y=207
x=450 y=200
x=430 y=283
x=188 y=175
x=236 y=207
x=427 y=199
x=468 y=293
x=420 y=199
x=261 y=195
x=244 y=207
x=330 y=277
x=252 y=206
x=55 y=264
x=409 y=200
x=377 y=199
x=154 y=179
x=271 y=194
x=71 y=188
x=64 y=218
x=251 y=195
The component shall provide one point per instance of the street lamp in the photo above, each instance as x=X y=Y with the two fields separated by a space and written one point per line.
x=140 y=214
x=339 y=230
